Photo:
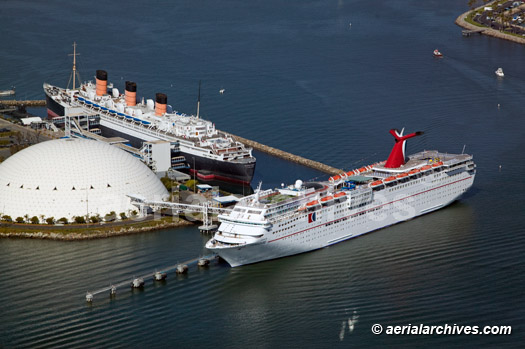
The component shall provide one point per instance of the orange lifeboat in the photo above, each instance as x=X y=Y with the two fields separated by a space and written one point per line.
x=327 y=198
x=373 y=184
x=390 y=179
x=335 y=178
x=340 y=194
x=402 y=175
x=362 y=169
x=312 y=203
x=437 y=164
x=414 y=171
x=426 y=167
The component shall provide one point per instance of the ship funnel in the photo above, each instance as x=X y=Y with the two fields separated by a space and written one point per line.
x=397 y=155
x=160 y=104
x=102 y=82
x=131 y=93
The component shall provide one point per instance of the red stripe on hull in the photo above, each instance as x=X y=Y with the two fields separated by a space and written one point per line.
x=211 y=176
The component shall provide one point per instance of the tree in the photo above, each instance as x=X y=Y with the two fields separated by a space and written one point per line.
x=63 y=220
x=80 y=219
x=110 y=216
x=7 y=218
x=35 y=220
x=94 y=219
x=50 y=220
x=20 y=219
x=122 y=216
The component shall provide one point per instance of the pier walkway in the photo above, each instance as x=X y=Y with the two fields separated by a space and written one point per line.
x=112 y=289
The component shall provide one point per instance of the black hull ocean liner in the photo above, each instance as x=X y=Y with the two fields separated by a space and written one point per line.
x=208 y=153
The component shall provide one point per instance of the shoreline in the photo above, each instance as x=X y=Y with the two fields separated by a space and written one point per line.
x=461 y=22
x=43 y=232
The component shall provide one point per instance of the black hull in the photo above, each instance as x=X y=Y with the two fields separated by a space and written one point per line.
x=53 y=108
x=207 y=169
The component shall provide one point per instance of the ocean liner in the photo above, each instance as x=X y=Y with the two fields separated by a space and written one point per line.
x=210 y=153
x=280 y=222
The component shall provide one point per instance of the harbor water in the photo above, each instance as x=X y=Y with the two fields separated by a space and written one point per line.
x=321 y=79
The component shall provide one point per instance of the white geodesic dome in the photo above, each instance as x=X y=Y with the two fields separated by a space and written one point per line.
x=73 y=177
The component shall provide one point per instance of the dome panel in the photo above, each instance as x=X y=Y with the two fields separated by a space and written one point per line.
x=56 y=167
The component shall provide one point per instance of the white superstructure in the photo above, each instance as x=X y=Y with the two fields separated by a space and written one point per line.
x=276 y=223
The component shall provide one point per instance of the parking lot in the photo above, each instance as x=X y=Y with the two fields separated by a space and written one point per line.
x=504 y=16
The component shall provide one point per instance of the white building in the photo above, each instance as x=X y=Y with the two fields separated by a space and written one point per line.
x=73 y=177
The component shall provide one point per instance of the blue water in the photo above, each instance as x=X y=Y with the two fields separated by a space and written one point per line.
x=300 y=78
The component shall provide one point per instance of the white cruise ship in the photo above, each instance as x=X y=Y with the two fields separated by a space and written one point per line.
x=306 y=216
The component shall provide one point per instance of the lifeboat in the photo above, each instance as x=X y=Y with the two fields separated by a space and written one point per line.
x=376 y=183
x=402 y=175
x=438 y=164
x=426 y=167
x=390 y=179
x=414 y=171
x=327 y=200
x=362 y=169
x=312 y=203
x=340 y=197
x=335 y=178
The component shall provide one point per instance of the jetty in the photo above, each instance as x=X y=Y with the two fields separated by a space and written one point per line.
x=255 y=145
x=138 y=282
x=27 y=103
x=288 y=156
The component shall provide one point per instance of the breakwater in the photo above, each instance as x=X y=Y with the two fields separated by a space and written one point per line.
x=288 y=156
x=28 y=103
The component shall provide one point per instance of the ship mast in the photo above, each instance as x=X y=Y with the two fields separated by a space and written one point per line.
x=74 y=73
x=199 y=100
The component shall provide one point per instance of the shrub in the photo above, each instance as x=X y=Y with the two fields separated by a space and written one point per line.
x=50 y=220
x=20 y=219
x=7 y=218
x=63 y=220
x=110 y=216
x=192 y=184
x=80 y=220
x=94 y=219
x=35 y=220
x=122 y=215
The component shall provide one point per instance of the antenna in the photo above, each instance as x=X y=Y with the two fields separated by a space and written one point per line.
x=199 y=100
x=463 y=151
x=74 y=73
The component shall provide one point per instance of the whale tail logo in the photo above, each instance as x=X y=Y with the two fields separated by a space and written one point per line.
x=397 y=155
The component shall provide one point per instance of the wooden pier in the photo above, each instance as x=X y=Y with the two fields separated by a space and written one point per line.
x=467 y=32
x=112 y=289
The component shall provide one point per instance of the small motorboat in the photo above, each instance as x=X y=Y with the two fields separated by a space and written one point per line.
x=437 y=53
x=8 y=92
x=499 y=72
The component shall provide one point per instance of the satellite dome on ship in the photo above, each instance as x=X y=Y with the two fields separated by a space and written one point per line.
x=73 y=177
